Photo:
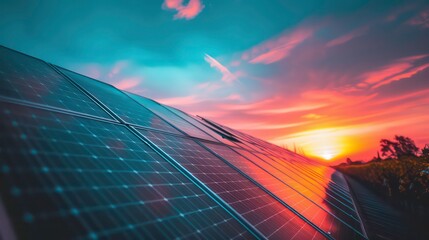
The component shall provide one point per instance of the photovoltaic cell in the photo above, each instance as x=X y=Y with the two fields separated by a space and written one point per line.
x=264 y=212
x=121 y=104
x=305 y=201
x=68 y=171
x=314 y=175
x=305 y=166
x=171 y=117
x=63 y=176
x=29 y=79
x=197 y=123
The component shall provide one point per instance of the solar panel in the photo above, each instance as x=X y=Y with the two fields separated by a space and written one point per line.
x=64 y=176
x=29 y=79
x=305 y=200
x=263 y=211
x=318 y=176
x=121 y=104
x=307 y=167
x=171 y=117
x=82 y=159
x=196 y=123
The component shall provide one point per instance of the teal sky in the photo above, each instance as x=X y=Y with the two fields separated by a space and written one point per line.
x=275 y=69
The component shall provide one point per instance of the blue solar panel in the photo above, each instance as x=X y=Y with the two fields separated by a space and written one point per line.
x=121 y=104
x=64 y=176
x=305 y=200
x=82 y=159
x=263 y=211
x=171 y=117
x=29 y=79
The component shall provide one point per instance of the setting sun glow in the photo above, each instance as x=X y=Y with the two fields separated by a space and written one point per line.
x=327 y=155
x=328 y=144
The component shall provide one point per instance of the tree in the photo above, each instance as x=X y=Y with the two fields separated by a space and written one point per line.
x=349 y=161
x=425 y=151
x=401 y=146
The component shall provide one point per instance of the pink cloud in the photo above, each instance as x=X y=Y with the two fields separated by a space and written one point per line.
x=347 y=37
x=186 y=11
x=179 y=101
x=299 y=108
x=127 y=83
x=227 y=76
x=117 y=68
x=277 y=49
x=407 y=74
x=422 y=19
x=400 y=69
x=209 y=86
x=234 y=97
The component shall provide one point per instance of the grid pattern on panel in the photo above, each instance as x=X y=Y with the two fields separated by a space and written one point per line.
x=120 y=103
x=321 y=194
x=197 y=123
x=264 y=212
x=66 y=176
x=312 y=206
x=171 y=117
x=29 y=79
x=311 y=175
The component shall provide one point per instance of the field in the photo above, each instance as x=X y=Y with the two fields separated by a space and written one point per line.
x=403 y=182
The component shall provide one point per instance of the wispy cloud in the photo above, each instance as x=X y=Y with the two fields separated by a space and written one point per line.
x=127 y=83
x=227 y=76
x=347 y=37
x=186 y=11
x=399 y=69
x=278 y=48
x=179 y=101
x=421 y=19
x=299 y=108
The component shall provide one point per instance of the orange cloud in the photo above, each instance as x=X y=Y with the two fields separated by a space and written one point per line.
x=227 y=76
x=277 y=49
x=188 y=11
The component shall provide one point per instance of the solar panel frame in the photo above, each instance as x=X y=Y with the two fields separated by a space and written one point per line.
x=63 y=189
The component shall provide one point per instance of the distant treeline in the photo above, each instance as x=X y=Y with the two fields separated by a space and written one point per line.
x=400 y=174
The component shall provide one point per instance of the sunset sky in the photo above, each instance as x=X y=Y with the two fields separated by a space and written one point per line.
x=331 y=77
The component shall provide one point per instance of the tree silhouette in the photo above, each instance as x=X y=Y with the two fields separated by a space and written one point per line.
x=425 y=151
x=401 y=146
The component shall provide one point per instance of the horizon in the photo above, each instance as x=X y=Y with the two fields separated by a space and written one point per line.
x=330 y=79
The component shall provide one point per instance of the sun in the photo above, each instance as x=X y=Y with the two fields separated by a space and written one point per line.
x=327 y=155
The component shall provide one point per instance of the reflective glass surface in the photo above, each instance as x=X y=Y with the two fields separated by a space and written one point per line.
x=306 y=201
x=121 y=104
x=171 y=117
x=263 y=211
x=71 y=177
x=25 y=78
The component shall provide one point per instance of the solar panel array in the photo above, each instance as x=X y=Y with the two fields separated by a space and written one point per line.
x=82 y=159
